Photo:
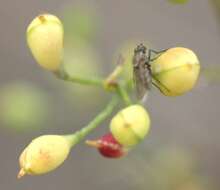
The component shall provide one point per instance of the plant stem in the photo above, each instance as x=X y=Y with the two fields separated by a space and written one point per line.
x=109 y=84
x=87 y=81
x=124 y=95
x=116 y=72
x=81 y=80
x=76 y=137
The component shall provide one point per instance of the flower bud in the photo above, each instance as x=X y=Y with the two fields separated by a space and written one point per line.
x=108 y=146
x=44 y=154
x=176 y=71
x=130 y=125
x=45 y=39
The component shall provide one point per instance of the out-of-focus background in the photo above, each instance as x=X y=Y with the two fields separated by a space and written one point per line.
x=182 y=151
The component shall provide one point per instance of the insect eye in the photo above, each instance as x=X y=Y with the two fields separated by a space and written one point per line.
x=140 y=48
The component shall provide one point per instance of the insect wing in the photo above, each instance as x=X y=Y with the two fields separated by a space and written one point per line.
x=141 y=72
x=140 y=88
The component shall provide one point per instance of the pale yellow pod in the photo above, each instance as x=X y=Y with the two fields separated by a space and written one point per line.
x=44 y=154
x=176 y=71
x=45 y=40
x=130 y=125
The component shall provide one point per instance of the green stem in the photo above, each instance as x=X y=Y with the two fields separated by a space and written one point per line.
x=124 y=95
x=107 y=84
x=76 y=137
x=62 y=74
x=116 y=72
x=82 y=80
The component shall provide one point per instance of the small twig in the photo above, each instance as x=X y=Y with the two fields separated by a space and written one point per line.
x=111 y=79
x=109 y=84
x=82 y=133
x=62 y=74
x=124 y=95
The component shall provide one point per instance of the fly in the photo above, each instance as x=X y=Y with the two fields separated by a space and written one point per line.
x=142 y=69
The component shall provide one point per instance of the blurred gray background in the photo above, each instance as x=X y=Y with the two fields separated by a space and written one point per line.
x=188 y=124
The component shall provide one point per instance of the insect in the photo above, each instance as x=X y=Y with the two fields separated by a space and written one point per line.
x=142 y=72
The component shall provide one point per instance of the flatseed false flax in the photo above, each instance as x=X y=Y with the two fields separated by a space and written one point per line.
x=176 y=71
x=130 y=125
x=45 y=40
x=44 y=154
x=173 y=71
x=47 y=152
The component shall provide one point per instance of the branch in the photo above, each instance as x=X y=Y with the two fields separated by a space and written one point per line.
x=82 y=133
x=124 y=95
x=63 y=75
x=109 y=84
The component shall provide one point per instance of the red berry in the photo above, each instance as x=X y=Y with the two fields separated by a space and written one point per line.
x=108 y=146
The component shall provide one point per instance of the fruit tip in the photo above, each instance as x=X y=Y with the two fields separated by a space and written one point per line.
x=91 y=143
x=42 y=18
x=21 y=173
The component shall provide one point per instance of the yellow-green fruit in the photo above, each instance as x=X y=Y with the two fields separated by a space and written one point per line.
x=45 y=39
x=130 y=125
x=176 y=71
x=44 y=154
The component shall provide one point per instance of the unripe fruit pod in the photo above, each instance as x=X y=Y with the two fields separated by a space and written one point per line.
x=44 y=154
x=130 y=125
x=45 y=39
x=176 y=71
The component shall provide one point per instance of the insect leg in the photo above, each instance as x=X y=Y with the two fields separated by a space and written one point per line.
x=161 y=84
x=150 y=53
x=157 y=52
